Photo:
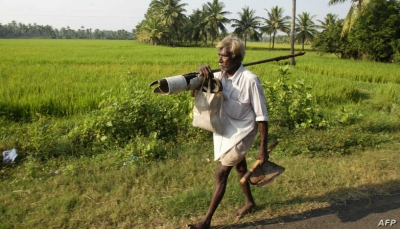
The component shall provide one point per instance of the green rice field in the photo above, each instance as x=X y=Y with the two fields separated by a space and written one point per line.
x=65 y=77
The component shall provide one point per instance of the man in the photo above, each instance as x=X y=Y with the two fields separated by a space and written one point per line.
x=244 y=105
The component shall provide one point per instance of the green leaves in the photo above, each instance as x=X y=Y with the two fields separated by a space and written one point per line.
x=137 y=121
x=292 y=104
x=369 y=32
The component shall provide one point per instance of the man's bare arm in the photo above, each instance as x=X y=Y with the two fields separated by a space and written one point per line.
x=263 y=152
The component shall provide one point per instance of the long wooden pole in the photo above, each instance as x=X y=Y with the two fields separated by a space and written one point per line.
x=256 y=62
x=191 y=75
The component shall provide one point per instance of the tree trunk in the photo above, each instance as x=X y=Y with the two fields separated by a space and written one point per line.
x=292 y=60
x=273 y=41
x=270 y=40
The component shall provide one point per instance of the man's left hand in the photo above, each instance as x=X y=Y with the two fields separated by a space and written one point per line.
x=263 y=155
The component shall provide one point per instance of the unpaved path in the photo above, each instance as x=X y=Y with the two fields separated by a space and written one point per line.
x=361 y=214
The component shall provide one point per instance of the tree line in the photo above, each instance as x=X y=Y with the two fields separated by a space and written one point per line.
x=20 y=30
x=370 y=30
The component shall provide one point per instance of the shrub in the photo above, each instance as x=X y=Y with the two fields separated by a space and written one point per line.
x=136 y=120
x=292 y=105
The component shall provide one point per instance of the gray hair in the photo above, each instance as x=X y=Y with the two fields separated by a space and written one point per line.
x=234 y=45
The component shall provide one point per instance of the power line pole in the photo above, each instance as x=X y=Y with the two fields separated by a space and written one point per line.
x=292 y=60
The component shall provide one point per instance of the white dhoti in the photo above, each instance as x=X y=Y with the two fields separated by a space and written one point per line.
x=244 y=104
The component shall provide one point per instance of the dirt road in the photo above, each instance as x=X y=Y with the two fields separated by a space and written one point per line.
x=376 y=212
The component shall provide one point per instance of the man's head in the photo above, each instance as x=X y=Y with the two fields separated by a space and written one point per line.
x=231 y=53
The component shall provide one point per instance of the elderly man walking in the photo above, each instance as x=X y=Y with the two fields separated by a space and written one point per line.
x=244 y=113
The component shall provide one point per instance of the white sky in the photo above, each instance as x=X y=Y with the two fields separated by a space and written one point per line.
x=126 y=14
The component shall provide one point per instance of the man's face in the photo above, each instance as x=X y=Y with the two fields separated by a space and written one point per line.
x=225 y=60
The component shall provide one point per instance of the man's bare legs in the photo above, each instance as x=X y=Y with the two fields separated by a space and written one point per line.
x=221 y=177
x=250 y=205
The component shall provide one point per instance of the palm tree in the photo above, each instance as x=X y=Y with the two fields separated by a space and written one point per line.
x=171 y=13
x=23 y=28
x=195 y=28
x=267 y=29
x=96 y=34
x=152 y=30
x=276 y=22
x=305 y=28
x=48 y=29
x=357 y=8
x=215 y=16
x=329 y=20
x=247 y=25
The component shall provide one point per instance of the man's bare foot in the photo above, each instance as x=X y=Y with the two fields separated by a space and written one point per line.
x=199 y=225
x=244 y=210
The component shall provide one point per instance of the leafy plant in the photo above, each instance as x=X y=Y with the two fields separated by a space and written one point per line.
x=348 y=116
x=137 y=121
x=291 y=104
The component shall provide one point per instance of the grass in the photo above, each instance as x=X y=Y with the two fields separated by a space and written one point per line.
x=277 y=46
x=86 y=69
x=171 y=193
x=61 y=82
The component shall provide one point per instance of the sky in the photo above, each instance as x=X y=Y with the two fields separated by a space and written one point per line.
x=126 y=14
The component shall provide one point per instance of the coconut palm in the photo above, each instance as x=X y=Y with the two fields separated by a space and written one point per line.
x=329 y=20
x=152 y=30
x=357 y=8
x=305 y=28
x=215 y=17
x=276 y=22
x=247 y=25
x=267 y=29
x=196 y=27
x=171 y=13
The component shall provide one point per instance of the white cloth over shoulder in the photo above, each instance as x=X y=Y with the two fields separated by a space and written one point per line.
x=243 y=105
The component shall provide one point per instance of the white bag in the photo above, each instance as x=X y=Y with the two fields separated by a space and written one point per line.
x=207 y=110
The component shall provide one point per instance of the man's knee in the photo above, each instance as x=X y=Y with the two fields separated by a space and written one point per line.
x=222 y=172
x=242 y=166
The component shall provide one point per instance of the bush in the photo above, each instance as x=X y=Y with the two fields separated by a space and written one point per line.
x=137 y=120
x=42 y=139
x=292 y=105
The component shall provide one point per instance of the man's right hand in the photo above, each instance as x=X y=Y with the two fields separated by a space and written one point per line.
x=204 y=70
